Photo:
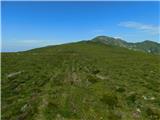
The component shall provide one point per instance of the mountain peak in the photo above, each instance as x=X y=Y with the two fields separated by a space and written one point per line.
x=109 y=41
x=102 y=37
x=149 y=41
x=147 y=45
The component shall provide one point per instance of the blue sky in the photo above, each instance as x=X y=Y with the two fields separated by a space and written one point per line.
x=27 y=25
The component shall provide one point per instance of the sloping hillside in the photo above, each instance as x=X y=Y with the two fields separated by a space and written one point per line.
x=145 y=46
x=80 y=81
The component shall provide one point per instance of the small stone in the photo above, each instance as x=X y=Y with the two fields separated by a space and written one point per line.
x=14 y=74
x=101 y=118
x=138 y=110
x=23 y=109
x=144 y=97
x=152 y=98
x=136 y=115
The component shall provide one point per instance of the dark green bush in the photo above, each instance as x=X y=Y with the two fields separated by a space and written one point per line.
x=131 y=98
x=110 y=99
x=51 y=110
x=120 y=89
x=92 y=79
x=114 y=115
x=58 y=80
x=153 y=113
x=96 y=71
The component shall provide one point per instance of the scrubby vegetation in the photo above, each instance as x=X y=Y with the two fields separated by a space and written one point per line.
x=80 y=81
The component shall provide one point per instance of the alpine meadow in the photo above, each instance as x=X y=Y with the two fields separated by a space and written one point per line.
x=99 y=78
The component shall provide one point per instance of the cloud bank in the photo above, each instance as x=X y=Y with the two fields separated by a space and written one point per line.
x=151 y=29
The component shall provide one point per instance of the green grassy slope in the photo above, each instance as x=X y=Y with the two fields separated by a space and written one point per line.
x=80 y=81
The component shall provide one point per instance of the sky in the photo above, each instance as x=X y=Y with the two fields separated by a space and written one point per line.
x=27 y=25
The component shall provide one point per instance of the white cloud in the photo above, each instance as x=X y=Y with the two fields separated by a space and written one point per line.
x=142 y=27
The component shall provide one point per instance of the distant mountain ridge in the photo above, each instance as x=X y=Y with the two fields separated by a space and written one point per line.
x=145 y=46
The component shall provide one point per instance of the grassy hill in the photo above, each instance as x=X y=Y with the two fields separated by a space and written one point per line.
x=80 y=81
x=145 y=46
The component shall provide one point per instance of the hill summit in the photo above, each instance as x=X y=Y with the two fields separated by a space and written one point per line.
x=145 y=46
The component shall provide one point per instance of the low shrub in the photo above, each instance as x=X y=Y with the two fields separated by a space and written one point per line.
x=120 y=89
x=114 y=115
x=110 y=100
x=92 y=79
x=153 y=113
x=131 y=98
